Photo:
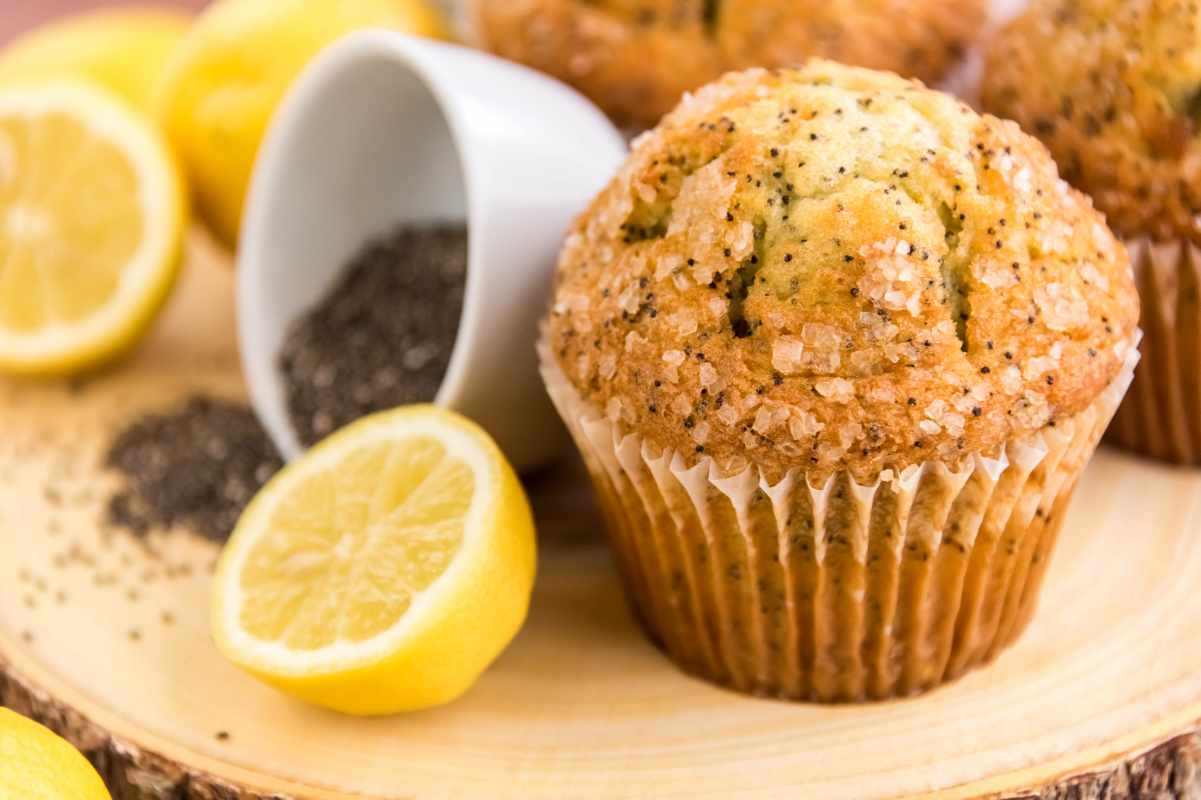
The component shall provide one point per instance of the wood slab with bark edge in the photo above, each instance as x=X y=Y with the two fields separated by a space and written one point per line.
x=105 y=638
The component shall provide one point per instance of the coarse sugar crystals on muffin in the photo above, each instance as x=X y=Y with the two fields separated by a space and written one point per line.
x=1114 y=90
x=635 y=58
x=833 y=268
x=836 y=348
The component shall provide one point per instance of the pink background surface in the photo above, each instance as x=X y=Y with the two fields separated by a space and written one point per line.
x=28 y=13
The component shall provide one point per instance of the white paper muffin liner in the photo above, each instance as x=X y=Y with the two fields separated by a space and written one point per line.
x=837 y=592
x=1161 y=415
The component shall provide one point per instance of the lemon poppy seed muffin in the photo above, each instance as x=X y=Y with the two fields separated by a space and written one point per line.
x=1113 y=87
x=635 y=58
x=833 y=267
x=830 y=328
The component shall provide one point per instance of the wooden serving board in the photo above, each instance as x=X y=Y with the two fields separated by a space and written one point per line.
x=106 y=638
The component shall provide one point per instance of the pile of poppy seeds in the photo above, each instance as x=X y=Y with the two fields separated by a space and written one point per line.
x=383 y=335
x=195 y=467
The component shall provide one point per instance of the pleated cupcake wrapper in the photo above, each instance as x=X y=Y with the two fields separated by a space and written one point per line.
x=837 y=591
x=1161 y=416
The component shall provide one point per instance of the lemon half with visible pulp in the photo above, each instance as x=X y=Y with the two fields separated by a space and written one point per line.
x=123 y=49
x=92 y=213
x=383 y=571
x=36 y=764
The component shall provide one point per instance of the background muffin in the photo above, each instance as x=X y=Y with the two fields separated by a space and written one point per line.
x=635 y=58
x=1114 y=89
x=833 y=276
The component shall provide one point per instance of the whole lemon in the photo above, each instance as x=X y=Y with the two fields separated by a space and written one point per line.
x=123 y=49
x=35 y=764
x=222 y=87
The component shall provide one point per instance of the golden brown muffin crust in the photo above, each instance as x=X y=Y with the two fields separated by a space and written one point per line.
x=1113 y=87
x=635 y=58
x=833 y=267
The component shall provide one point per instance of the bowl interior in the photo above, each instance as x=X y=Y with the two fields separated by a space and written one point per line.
x=361 y=146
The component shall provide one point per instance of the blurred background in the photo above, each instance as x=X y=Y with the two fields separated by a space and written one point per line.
x=16 y=17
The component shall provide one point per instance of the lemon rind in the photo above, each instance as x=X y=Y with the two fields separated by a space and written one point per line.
x=152 y=266
x=469 y=446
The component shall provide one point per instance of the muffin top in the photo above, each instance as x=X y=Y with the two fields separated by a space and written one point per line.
x=1114 y=89
x=832 y=268
x=635 y=58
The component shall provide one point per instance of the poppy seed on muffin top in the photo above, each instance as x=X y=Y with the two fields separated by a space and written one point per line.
x=832 y=268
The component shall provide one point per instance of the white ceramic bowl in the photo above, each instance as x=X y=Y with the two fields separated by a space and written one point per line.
x=384 y=128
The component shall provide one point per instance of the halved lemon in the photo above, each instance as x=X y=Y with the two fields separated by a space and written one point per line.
x=383 y=571
x=92 y=211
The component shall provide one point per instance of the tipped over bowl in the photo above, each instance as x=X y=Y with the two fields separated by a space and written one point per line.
x=386 y=129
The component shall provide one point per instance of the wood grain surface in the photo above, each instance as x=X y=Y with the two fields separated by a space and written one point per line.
x=106 y=638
